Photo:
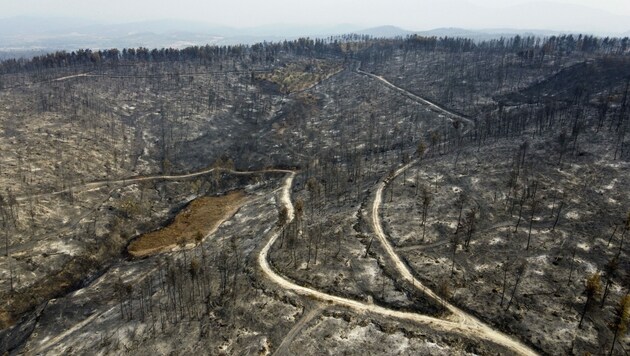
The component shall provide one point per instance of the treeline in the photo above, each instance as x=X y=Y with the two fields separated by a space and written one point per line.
x=518 y=44
x=529 y=48
x=260 y=52
x=348 y=46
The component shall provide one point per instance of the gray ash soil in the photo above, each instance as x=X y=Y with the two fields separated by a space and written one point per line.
x=592 y=189
x=67 y=285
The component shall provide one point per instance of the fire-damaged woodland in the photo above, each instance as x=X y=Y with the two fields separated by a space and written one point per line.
x=351 y=195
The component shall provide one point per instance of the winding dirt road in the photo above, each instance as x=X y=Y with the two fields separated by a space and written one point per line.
x=463 y=319
x=466 y=324
x=469 y=326
x=463 y=323
x=285 y=200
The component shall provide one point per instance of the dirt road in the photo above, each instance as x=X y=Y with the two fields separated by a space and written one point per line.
x=29 y=246
x=462 y=323
x=285 y=200
x=463 y=320
x=415 y=97
x=466 y=324
x=131 y=180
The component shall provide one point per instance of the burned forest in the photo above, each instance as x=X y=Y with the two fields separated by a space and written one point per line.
x=345 y=195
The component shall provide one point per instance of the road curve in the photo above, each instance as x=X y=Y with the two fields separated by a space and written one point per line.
x=463 y=319
x=99 y=184
x=131 y=180
x=465 y=324
x=469 y=327
x=482 y=330
x=285 y=200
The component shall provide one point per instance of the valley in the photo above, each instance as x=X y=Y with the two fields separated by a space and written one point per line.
x=415 y=195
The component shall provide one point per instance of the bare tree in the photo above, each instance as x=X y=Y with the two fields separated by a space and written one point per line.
x=505 y=266
x=421 y=149
x=531 y=218
x=592 y=289
x=435 y=140
x=520 y=271
x=621 y=320
x=610 y=271
x=426 y=201
x=572 y=265
x=461 y=201
x=520 y=211
x=5 y=225
x=612 y=235
x=553 y=228
x=283 y=216
x=470 y=223
x=454 y=242
x=313 y=187
x=562 y=145
x=523 y=151
x=626 y=228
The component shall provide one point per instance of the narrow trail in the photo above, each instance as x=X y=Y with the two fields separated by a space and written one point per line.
x=20 y=248
x=296 y=329
x=46 y=344
x=469 y=326
x=131 y=180
x=416 y=98
x=71 y=76
x=191 y=74
x=90 y=74
x=419 y=247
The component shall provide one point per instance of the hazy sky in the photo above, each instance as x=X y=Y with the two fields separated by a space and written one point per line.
x=614 y=6
x=411 y=14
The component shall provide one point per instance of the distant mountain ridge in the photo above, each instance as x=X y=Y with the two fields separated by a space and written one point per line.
x=24 y=36
x=34 y=34
x=480 y=35
x=385 y=31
